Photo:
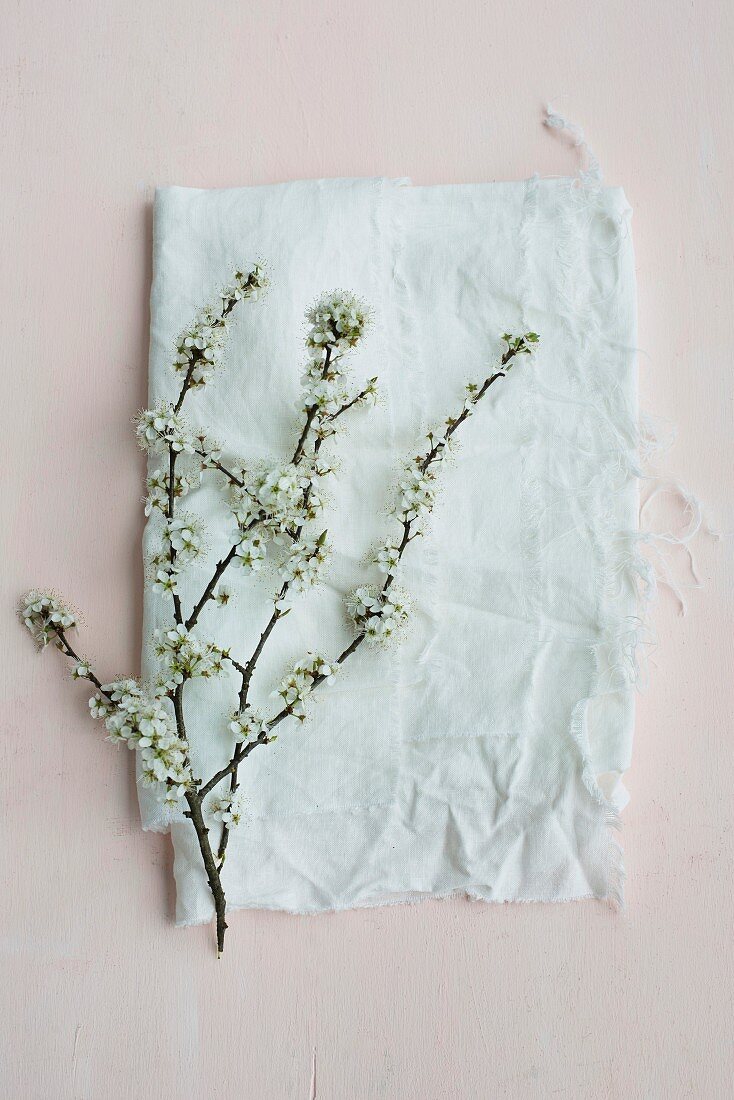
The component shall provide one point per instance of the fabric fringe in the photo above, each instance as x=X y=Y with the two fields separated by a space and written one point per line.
x=629 y=442
x=554 y=121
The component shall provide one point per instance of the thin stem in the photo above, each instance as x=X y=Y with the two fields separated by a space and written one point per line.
x=172 y=455
x=246 y=672
x=196 y=356
x=222 y=469
x=349 y=404
x=196 y=816
x=69 y=652
x=224 y=838
x=209 y=590
x=193 y=797
x=250 y=666
x=171 y=480
x=310 y=414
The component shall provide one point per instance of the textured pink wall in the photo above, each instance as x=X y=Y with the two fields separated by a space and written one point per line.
x=102 y=997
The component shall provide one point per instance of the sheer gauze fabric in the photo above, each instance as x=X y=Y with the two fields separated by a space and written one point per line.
x=481 y=753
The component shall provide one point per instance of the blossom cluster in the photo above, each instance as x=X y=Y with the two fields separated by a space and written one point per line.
x=337 y=320
x=199 y=348
x=158 y=483
x=300 y=681
x=281 y=498
x=245 y=284
x=323 y=388
x=276 y=503
x=183 y=656
x=228 y=808
x=160 y=428
x=182 y=541
x=337 y=323
x=145 y=722
x=44 y=614
x=417 y=493
x=207 y=449
x=376 y=614
x=302 y=568
x=185 y=535
x=387 y=557
x=251 y=552
x=247 y=725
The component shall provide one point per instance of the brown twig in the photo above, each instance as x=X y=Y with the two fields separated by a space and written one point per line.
x=310 y=414
x=69 y=652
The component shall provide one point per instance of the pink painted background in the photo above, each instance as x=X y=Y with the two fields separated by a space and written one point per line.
x=101 y=996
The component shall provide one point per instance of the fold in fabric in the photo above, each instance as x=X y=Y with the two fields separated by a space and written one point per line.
x=476 y=754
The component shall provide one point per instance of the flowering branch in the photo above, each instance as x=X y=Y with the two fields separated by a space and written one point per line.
x=272 y=506
x=376 y=616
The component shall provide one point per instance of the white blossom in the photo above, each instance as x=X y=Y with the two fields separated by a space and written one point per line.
x=81 y=670
x=184 y=534
x=248 y=284
x=200 y=347
x=417 y=494
x=251 y=551
x=362 y=603
x=45 y=614
x=376 y=614
x=387 y=557
x=337 y=320
x=157 y=485
x=165 y=581
x=247 y=725
x=183 y=655
x=208 y=450
x=281 y=498
x=98 y=706
x=227 y=808
x=298 y=684
x=171 y=794
x=125 y=691
x=223 y=595
x=160 y=428
x=325 y=394
x=145 y=722
x=280 y=490
x=302 y=568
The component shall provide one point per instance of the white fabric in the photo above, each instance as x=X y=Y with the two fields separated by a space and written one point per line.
x=483 y=753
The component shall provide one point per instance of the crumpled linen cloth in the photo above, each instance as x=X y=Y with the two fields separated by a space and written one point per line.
x=482 y=754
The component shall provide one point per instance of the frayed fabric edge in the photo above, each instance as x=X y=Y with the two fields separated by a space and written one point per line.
x=639 y=437
x=471 y=894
